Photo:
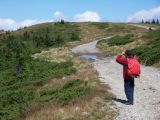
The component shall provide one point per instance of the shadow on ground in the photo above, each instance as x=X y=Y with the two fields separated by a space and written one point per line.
x=120 y=100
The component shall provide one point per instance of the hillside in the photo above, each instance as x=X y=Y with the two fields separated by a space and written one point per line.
x=39 y=72
x=145 y=45
x=38 y=69
x=21 y=75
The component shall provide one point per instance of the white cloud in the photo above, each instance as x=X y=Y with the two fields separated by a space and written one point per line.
x=87 y=16
x=58 y=15
x=10 y=24
x=7 y=23
x=146 y=15
x=29 y=22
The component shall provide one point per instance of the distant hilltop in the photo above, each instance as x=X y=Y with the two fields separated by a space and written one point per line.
x=2 y=31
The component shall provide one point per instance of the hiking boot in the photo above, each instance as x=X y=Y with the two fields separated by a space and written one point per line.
x=128 y=103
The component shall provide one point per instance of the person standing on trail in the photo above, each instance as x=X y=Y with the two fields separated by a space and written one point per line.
x=131 y=69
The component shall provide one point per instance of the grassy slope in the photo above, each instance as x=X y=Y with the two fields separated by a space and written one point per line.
x=120 y=29
x=21 y=75
x=148 y=53
x=91 y=103
x=43 y=77
x=145 y=43
x=93 y=100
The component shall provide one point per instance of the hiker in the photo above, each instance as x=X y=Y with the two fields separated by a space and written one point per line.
x=131 y=69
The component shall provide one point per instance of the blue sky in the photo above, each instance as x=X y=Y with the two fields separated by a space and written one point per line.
x=76 y=10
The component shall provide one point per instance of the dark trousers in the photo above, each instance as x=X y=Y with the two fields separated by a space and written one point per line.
x=129 y=88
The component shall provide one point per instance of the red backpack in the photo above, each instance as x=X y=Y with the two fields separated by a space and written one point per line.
x=133 y=69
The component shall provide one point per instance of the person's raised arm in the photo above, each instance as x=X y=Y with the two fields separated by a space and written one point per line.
x=121 y=59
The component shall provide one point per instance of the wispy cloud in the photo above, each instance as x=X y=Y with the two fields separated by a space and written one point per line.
x=29 y=22
x=58 y=16
x=11 y=24
x=7 y=23
x=146 y=15
x=87 y=16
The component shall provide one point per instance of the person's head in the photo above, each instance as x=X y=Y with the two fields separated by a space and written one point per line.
x=129 y=54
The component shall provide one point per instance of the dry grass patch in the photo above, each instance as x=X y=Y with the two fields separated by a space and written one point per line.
x=59 y=54
x=114 y=50
x=157 y=65
x=111 y=50
x=95 y=105
x=86 y=108
x=122 y=29
x=90 y=32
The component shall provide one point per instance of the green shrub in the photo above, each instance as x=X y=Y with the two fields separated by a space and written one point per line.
x=19 y=91
x=118 y=28
x=149 y=53
x=71 y=89
x=120 y=40
x=20 y=75
x=101 y=25
x=139 y=50
x=72 y=83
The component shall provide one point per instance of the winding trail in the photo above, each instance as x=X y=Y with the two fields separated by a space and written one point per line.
x=86 y=48
x=147 y=88
x=142 y=26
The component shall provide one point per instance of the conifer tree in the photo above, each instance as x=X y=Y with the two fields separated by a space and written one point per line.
x=153 y=21
x=157 y=22
x=142 y=21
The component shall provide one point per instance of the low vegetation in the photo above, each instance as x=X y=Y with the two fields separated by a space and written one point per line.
x=55 y=54
x=77 y=96
x=36 y=79
x=119 y=40
x=116 y=44
x=91 y=31
x=17 y=92
x=148 y=53
x=144 y=44
x=63 y=94
x=20 y=74
x=101 y=25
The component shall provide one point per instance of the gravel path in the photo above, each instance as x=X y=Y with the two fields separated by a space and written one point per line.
x=87 y=48
x=147 y=88
x=143 y=26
